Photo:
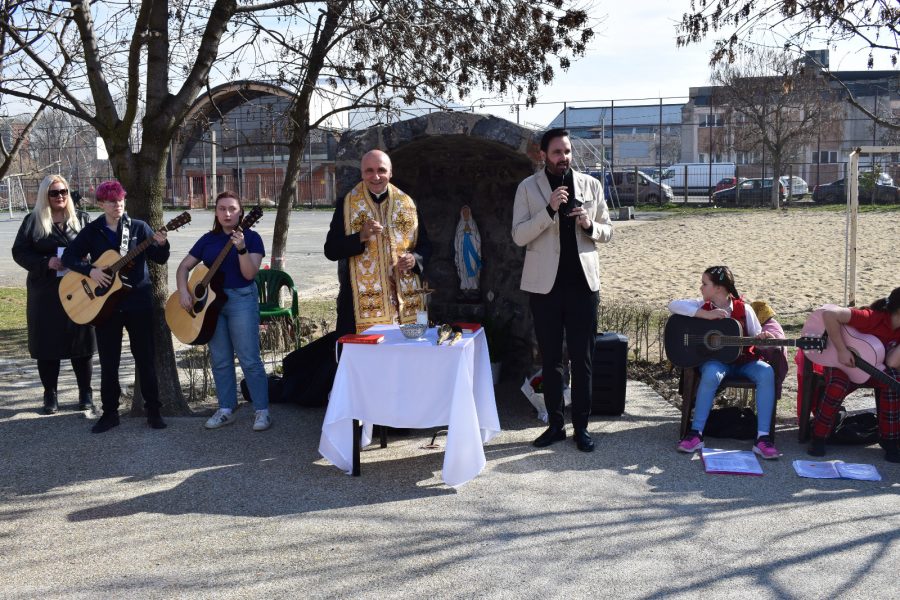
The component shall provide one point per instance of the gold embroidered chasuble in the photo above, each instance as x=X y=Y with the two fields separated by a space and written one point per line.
x=381 y=295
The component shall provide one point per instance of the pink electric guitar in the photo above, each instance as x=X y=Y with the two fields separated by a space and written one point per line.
x=867 y=349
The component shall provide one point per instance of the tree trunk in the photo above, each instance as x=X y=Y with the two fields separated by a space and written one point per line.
x=145 y=192
x=776 y=180
x=286 y=201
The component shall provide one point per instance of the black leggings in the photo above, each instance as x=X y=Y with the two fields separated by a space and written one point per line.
x=83 y=367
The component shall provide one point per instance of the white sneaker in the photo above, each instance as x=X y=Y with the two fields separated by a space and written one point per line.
x=262 y=421
x=220 y=418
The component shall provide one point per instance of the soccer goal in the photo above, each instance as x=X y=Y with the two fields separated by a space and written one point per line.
x=12 y=196
x=852 y=214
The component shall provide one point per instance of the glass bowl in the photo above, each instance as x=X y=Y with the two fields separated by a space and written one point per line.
x=413 y=331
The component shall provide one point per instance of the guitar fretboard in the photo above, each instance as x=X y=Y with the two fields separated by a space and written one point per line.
x=132 y=254
x=740 y=341
x=875 y=372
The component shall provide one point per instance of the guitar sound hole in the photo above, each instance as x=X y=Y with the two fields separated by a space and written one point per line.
x=100 y=291
x=713 y=340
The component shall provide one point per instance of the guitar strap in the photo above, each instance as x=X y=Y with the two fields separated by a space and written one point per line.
x=126 y=234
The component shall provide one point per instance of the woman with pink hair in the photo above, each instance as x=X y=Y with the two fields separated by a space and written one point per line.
x=115 y=230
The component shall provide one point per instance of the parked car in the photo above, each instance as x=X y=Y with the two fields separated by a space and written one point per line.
x=750 y=192
x=728 y=182
x=649 y=190
x=698 y=178
x=836 y=193
x=795 y=185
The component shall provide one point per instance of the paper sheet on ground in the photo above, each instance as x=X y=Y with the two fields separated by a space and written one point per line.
x=836 y=470
x=730 y=462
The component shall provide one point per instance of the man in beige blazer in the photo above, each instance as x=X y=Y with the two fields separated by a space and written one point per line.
x=560 y=216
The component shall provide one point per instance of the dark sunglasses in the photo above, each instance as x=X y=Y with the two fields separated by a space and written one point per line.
x=57 y=193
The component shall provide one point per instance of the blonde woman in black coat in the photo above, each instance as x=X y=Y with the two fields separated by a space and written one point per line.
x=52 y=336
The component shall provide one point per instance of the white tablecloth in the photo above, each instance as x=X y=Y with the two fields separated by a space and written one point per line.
x=414 y=384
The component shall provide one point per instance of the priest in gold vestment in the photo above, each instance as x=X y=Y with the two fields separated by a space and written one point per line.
x=382 y=250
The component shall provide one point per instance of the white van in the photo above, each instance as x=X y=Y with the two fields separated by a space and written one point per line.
x=701 y=177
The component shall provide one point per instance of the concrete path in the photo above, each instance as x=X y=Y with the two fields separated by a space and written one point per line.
x=185 y=512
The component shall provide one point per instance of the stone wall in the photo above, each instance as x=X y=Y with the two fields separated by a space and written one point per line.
x=444 y=161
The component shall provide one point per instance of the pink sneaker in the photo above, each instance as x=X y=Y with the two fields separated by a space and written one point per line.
x=692 y=442
x=765 y=448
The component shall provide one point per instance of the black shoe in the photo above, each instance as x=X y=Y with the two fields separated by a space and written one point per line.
x=553 y=434
x=86 y=400
x=51 y=405
x=107 y=421
x=891 y=450
x=817 y=447
x=583 y=440
x=155 y=421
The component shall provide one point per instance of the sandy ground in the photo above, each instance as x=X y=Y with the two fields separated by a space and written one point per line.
x=794 y=259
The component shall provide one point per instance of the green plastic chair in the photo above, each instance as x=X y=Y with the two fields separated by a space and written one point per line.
x=269 y=283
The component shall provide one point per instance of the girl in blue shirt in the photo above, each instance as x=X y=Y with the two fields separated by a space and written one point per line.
x=237 y=328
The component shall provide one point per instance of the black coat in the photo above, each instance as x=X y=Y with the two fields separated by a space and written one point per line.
x=51 y=333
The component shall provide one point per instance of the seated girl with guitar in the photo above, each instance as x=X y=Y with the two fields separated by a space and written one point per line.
x=237 y=325
x=720 y=300
x=881 y=320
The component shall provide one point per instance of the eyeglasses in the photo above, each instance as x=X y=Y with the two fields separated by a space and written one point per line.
x=58 y=193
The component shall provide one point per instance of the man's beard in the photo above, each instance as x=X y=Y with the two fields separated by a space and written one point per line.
x=559 y=169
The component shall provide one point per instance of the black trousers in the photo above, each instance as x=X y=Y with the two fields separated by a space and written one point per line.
x=139 y=324
x=570 y=311
x=83 y=367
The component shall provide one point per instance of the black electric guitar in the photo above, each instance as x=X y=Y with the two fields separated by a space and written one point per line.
x=691 y=341
x=196 y=326
x=86 y=301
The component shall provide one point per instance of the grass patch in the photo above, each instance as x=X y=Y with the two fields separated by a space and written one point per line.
x=13 y=327
x=319 y=310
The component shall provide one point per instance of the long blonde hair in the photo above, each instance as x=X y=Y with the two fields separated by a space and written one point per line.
x=42 y=220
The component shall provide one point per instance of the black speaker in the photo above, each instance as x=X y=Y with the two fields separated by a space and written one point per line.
x=609 y=374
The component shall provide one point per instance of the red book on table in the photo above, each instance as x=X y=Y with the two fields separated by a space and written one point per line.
x=361 y=338
x=467 y=327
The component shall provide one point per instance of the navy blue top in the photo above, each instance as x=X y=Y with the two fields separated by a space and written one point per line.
x=96 y=238
x=208 y=247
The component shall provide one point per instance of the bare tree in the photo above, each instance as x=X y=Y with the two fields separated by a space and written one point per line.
x=19 y=129
x=776 y=105
x=153 y=55
x=873 y=25
x=384 y=55
x=158 y=56
x=668 y=148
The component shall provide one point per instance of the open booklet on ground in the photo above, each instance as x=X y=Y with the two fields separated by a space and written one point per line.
x=836 y=470
x=730 y=462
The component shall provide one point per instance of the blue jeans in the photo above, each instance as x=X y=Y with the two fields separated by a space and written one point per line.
x=237 y=332
x=711 y=375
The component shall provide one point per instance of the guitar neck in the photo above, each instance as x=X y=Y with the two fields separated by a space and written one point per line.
x=752 y=341
x=132 y=254
x=217 y=263
x=875 y=372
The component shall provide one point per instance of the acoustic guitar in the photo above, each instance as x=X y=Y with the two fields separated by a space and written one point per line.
x=89 y=303
x=867 y=349
x=691 y=341
x=196 y=326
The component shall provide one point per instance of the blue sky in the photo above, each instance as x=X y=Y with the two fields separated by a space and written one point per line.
x=634 y=56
